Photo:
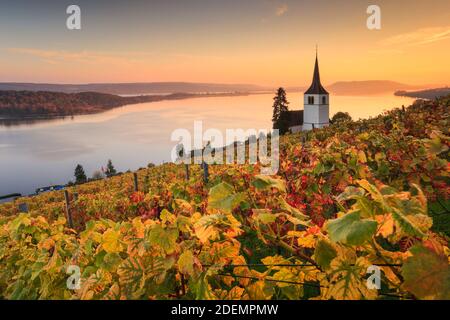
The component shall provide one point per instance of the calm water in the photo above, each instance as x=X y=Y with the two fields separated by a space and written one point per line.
x=46 y=152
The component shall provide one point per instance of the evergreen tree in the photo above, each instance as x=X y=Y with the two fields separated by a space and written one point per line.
x=110 y=170
x=280 y=106
x=80 y=175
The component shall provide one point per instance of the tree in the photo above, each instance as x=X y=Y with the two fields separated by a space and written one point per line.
x=110 y=170
x=280 y=107
x=340 y=117
x=80 y=175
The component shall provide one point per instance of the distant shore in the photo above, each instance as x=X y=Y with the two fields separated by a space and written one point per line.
x=429 y=94
x=30 y=106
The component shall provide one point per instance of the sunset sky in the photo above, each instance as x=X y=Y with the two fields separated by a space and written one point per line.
x=267 y=42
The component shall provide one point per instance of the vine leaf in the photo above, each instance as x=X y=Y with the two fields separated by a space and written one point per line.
x=111 y=242
x=265 y=216
x=166 y=239
x=264 y=182
x=293 y=211
x=186 y=262
x=427 y=274
x=223 y=197
x=324 y=253
x=350 y=229
x=347 y=280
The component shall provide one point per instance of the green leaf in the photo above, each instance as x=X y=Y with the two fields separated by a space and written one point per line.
x=374 y=192
x=407 y=224
x=186 y=262
x=166 y=239
x=200 y=287
x=265 y=216
x=223 y=197
x=324 y=253
x=263 y=182
x=350 y=229
x=427 y=274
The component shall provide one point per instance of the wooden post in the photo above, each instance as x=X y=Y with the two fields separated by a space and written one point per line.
x=68 y=213
x=146 y=184
x=23 y=207
x=186 y=166
x=205 y=172
x=136 y=185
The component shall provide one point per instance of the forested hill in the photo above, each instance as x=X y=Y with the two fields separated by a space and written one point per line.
x=46 y=103
x=425 y=94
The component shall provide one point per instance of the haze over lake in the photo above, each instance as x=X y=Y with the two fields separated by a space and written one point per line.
x=46 y=152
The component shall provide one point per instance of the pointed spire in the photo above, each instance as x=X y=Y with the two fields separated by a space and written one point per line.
x=316 y=86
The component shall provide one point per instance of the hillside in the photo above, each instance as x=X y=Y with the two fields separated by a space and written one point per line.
x=425 y=94
x=371 y=193
x=31 y=104
x=369 y=87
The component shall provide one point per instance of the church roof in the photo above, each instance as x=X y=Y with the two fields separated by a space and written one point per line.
x=294 y=117
x=316 y=86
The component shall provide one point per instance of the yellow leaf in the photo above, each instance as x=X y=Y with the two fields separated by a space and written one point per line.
x=307 y=241
x=110 y=241
x=362 y=156
x=186 y=262
x=386 y=224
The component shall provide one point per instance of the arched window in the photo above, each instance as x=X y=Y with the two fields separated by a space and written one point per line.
x=324 y=100
x=310 y=100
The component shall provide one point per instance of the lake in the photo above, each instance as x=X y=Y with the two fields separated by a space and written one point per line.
x=46 y=152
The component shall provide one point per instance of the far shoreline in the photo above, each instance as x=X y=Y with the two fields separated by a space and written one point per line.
x=18 y=119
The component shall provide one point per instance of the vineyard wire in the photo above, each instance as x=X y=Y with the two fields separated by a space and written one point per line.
x=286 y=265
x=297 y=283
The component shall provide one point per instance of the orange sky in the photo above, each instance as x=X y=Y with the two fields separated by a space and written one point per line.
x=266 y=42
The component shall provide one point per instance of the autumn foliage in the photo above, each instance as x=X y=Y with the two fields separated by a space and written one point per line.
x=352 y=196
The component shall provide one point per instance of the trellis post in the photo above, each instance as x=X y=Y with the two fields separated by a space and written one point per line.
x=136 y=185
x=186 y=167
x=205 y=172
x=68 y=213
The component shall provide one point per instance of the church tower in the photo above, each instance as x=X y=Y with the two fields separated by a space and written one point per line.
x=316 y=103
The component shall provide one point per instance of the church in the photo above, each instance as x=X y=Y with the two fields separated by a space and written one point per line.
x=316 y=110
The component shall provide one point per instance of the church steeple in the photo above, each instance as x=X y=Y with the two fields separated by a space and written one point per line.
x=316 y=86
x=316 y=103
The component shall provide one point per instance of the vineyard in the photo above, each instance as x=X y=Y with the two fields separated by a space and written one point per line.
x=354 y=197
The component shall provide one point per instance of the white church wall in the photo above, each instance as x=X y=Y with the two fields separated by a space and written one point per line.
x=316 y=113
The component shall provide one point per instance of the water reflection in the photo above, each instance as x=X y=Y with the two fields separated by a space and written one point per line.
x=45 y=152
